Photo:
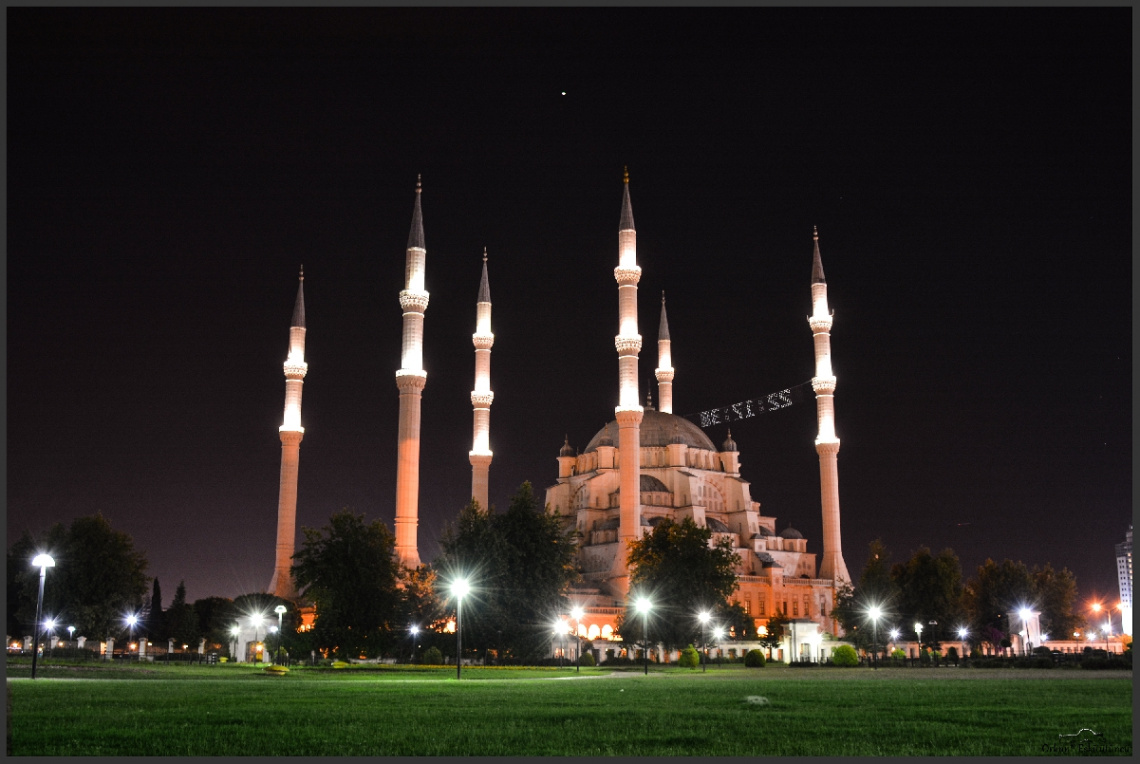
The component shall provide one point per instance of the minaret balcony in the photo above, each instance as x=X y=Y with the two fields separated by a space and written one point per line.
x=627 y=275
x=820 y=324
x=483 y=341
x=481 y=399
x=823 y=385
x=296 y=370
x=664 y=375
x=627 y=345
x=413 y=301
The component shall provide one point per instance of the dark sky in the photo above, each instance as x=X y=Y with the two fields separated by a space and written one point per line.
x=969 y=171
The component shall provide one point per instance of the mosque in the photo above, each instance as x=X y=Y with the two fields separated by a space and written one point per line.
x=645 y=465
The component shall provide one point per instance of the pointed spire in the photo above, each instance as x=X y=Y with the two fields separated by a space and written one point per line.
x=299 y=306
x=816 y=263
x=663 y=327
x=416 y=236
x=484 y=285
x=626 y=209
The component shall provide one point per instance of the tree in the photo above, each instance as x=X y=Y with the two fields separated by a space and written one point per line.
x=682 y=574
x=349 y=571
x=215 y=616
x=519 y=564
x=995 y=591
x=774 y=633
x=1056 y=596
x=930 y=591
x=181 y=620
x=155 y=624
x=98 y=578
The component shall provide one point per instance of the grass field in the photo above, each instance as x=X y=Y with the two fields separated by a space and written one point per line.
x=239 y=710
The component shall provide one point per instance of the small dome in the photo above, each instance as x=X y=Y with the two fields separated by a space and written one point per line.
x=763 y=531
x=729 y=443
x=716 y=526
x=791 y=533
x=566 y=450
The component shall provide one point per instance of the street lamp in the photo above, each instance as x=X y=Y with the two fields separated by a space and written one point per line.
x=459 y=589
x=718 y=634
x=576 y=611
x=875 y=612
x=414 y=631
x=704 y=617
x=962 y=634
x=70 y=635
x=1107 y=634
x=918 y=631
x=643 y=606
x=132 y=619
x=49 y=624
x=43 y=562
x=235 y=632
x=280 y=611
x=1027 y=645
x=560 y=628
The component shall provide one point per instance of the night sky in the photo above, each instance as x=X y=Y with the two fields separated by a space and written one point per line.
x=969 y=171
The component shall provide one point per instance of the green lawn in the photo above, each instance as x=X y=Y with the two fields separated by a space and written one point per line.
x=238 y=710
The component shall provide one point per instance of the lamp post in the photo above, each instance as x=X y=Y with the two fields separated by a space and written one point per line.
x=132 y=619
x=918 y=631
x=49 y=624
x=70 y=635
x=576 y=611
x=962 y=633
x=235 y=632
x=415 y=630
x=643 y=606
x=875 y=612
x=1107 y=634
x=459 y=589
x=43 y=562
x=560 y=629
x=703 y=617
x=280 y=611
x=895 y=634
x=718 y=633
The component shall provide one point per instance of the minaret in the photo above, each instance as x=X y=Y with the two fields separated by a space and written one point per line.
x=411 y=379
x=291 y=433
x=826 y=444
x=664 y=369
x=628 y=411
x=482 y=396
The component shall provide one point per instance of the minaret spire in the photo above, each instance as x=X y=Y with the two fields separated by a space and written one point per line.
x=629 y=411
x=664 y=369
x=826 y=443
x=481 y=396
x=410 y=379
x=291 y=432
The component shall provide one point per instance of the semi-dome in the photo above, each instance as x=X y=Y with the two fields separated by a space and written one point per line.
x=716 y=526
x=657 y=429
x=791 y=533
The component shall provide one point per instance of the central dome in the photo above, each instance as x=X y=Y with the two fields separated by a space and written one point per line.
x=657 y=429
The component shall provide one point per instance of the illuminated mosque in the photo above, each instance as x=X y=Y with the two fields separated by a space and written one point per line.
x=646 y=465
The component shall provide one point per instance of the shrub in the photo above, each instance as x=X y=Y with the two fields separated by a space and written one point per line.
x=433 y=657
x=754 y=659
x=844 y=655
x=587 y=658
x=690 y=658
x=924 y=658
x=898 y=654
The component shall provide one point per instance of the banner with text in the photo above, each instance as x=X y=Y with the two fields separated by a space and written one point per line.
x=752 y=407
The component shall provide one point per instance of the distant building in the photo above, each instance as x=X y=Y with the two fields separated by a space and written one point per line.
x=1124 y=576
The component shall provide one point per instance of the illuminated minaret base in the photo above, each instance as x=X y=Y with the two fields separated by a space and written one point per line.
x=410 y=379
x=826 y=444
x=664 y=371
x=482 y=396
x=291 y=432
x=629 y=411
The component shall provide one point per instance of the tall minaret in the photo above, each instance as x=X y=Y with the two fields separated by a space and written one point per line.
x=826 y=444
x=628 y=411
x=291 y=433
x=482 y=396
x=664 y=369
x=411 y=379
